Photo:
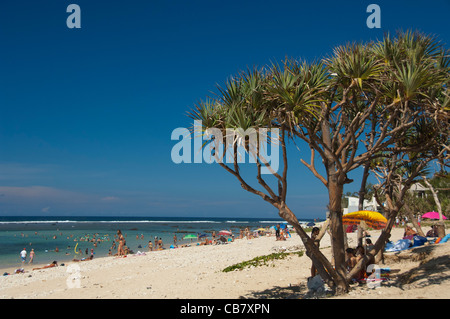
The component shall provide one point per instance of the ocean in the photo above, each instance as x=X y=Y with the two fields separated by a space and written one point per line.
x=61 y=238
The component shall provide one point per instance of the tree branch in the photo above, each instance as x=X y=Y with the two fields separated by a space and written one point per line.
x=312 y=168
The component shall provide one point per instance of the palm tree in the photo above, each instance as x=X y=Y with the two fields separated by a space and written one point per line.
x=363 y=103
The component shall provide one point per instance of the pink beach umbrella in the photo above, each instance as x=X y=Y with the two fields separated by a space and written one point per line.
x=432 y=215
x=224 y=233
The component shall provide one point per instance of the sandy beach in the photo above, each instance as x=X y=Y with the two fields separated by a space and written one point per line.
x=196 y=273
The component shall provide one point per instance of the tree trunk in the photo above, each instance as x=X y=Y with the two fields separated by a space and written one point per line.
x=362 y=190
x=413 y=220
x=360 y=235
x=337 y=233
x=377 y=250
x=323 y=266
x=440 y=226
x=335 y=185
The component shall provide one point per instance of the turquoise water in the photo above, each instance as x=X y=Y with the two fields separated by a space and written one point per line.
x=45 y=234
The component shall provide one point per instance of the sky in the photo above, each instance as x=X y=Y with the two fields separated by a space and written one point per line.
x=86 y=114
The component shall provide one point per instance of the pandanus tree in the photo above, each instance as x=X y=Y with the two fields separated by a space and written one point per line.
x=362 y=102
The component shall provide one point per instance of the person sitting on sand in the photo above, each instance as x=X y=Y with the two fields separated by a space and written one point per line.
x=19 y=271
x=369 y=245
x=53 y=264
x=83 y=259
x=351 y=259
x=360 y=254
x=409 y=232
x=432 y=232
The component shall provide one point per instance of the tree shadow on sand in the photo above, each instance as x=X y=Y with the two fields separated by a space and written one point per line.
x=278 y=292
x=433 y=268
x=432 y=272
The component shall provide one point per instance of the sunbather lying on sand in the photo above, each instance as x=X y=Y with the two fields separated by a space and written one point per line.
x=53 y=264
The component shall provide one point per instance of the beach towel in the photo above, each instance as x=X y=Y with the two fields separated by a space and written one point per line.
x=139 y=254
x=444 y=240
x=399 y=245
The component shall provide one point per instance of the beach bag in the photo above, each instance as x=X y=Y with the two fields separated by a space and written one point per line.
x=315 y=284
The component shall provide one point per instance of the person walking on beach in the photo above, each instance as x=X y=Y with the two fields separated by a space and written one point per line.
x=31 y=256
x=277 y=232
x=175 y=239
x=23 y=255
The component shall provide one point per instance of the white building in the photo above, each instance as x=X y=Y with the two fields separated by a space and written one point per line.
x=353 y=202
x=372 y=205
x=419 y=190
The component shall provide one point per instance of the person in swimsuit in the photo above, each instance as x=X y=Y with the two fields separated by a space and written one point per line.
x=351 y=259
x=31 y=256
x=121 y=244
x=53 y=264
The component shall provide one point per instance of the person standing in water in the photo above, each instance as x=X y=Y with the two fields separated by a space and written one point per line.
x=121 y=240
x=23 y=255
x=175 y=239
x=31 y=256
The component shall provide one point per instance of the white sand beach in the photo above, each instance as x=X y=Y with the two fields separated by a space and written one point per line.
x=196 y=272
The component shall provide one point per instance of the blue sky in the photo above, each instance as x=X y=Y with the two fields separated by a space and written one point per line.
x=87 y=114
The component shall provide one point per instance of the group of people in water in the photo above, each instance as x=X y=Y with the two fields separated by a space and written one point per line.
x=123 y=249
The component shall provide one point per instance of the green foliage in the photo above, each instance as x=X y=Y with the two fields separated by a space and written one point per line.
x=260 y=261
x=383 y=105
x=423 y=204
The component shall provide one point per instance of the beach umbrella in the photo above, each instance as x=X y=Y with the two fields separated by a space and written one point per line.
x=202 y=235
x=224 y=233
x=373 y=219
x=282 y=226
x=261 y=229
x=311 y=224
x=190 y=236
x=432 y=215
